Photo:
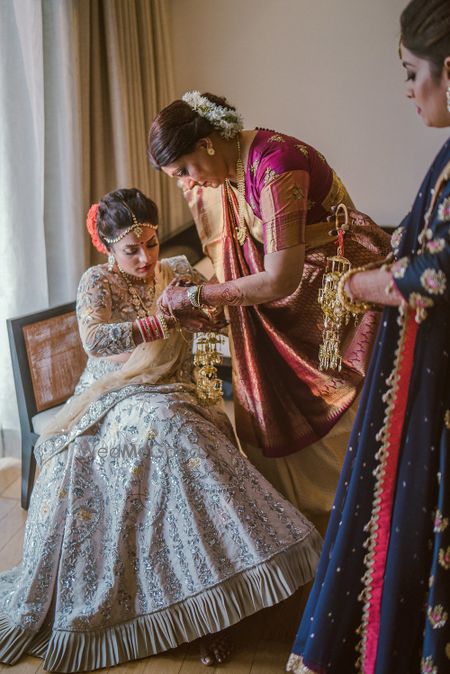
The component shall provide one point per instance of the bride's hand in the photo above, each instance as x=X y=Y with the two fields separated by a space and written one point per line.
x=176 y=307
x=174 y=300
x=199 y=322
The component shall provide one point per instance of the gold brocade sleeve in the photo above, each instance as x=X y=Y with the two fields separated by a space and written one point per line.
x=284 y=209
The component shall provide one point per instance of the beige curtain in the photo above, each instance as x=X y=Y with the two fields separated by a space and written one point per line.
x=126 y=78
x=80 y=83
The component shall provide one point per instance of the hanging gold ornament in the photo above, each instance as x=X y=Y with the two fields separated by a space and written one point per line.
x=336 y=315
x=206 y=360
x=240 y=227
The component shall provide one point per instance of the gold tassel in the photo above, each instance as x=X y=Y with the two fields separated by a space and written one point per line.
x=335 y=315
x=206 y=360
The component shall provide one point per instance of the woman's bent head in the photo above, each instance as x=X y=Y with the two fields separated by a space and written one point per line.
x=191 y=138
x=425 y=52
x=126 y=223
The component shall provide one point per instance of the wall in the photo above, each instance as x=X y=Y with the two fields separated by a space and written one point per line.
x=325 y=71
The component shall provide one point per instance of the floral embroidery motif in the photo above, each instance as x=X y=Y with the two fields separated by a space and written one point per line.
x=253 y=203
x=311 y=204
x=427 y=666
x=85 y=515
x=276 y=138
x=194 y=462
x=444 y=558
x=437 y=616
x=396 y=238
x=440 y=522
x=444 y=210
x=434 y=281
x=297 y=192
x=435 y=245
x=425 y=235
x=254 y=167
x=398 y=269
x=303 y=149
x=420 y=303
x=269 y=175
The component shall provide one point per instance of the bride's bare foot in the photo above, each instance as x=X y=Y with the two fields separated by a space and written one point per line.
x=215 y=649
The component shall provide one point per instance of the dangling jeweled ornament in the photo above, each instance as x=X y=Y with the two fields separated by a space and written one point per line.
x=335 y=315
x=206 y=360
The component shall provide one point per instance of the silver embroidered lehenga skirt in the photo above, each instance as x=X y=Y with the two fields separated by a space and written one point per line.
x=147 y=528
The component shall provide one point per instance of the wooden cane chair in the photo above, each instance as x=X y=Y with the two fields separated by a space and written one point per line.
x=47 y=359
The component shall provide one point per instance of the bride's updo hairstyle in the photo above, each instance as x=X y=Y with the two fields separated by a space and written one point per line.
x=425 y=31
x=177 y=128
x=113 y=216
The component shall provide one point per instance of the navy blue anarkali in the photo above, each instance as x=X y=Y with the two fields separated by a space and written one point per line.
x=380 y=602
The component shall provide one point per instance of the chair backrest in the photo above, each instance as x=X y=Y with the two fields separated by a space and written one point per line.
x=47 y=358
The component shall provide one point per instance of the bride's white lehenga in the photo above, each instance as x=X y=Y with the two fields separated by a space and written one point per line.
x=147 y=527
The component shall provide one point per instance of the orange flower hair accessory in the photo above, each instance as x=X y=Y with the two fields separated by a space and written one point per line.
x=91 y=225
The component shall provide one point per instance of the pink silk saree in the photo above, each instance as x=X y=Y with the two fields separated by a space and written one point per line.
x=283 y=401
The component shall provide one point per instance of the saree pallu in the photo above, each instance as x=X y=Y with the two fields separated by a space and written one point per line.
x=283 y=401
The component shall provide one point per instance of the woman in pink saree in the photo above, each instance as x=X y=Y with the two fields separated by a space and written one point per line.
x=261 y=200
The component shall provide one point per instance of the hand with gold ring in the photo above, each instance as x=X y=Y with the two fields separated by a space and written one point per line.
x=176 y=307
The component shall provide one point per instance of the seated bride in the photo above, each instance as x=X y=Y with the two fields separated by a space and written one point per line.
x=147 y=527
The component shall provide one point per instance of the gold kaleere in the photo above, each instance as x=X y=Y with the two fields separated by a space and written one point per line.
x=336 y=315
x=206 y=360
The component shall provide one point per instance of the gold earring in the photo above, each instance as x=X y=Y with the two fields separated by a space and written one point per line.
x=448 y=98
x=111 y=261
x=210 y=150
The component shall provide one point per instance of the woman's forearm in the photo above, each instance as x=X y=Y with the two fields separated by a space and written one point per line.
x=281 y=276
x=255 y=289
x=375 y=286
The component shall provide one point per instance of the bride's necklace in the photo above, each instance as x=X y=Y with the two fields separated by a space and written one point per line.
x=140 y=307
x=241 y=227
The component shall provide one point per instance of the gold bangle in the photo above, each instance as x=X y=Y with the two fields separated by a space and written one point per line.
x=193 y=293
x=163 y=324
x=347 y=302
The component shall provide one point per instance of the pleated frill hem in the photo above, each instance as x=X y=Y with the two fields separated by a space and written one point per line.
x=209 y=611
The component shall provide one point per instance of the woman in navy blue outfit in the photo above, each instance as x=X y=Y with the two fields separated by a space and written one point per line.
x=380 y=603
